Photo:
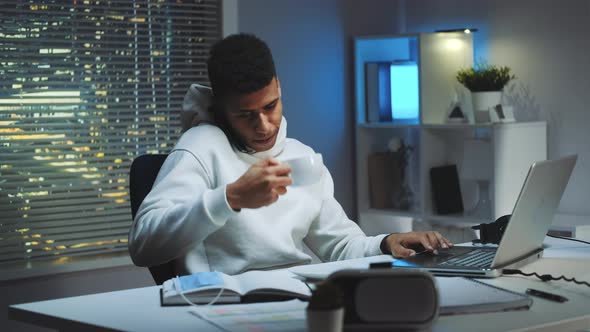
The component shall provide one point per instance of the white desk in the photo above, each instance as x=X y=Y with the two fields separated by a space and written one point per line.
x=139 y=309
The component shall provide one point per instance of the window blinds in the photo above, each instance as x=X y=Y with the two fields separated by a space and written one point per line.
x=87 y=85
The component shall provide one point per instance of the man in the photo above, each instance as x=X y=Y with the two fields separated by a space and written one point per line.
x=222 y=200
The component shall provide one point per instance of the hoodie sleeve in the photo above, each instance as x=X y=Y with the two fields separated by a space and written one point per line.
x=333 y=236
x=180 y=211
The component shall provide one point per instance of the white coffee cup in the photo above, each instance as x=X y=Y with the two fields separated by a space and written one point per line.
x=306 y=170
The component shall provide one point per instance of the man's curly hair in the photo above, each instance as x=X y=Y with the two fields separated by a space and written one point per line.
x=238 y=64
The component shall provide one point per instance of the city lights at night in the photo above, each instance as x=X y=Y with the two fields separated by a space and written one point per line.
x=86 y=87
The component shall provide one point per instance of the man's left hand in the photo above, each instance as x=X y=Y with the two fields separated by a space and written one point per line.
x=402 y=244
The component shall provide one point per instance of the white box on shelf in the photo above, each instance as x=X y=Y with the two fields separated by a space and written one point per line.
x=571 y=226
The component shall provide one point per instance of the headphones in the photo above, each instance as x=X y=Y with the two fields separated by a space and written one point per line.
x=492 y=232
x=367 y=298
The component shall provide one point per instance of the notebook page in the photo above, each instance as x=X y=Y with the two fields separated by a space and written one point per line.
x=282 y=280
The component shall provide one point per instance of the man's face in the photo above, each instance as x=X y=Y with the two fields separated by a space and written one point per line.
x=255 y=117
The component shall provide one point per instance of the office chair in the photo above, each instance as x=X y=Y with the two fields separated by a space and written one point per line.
x=143 y=173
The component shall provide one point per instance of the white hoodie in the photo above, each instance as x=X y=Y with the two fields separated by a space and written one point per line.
x=186 y=216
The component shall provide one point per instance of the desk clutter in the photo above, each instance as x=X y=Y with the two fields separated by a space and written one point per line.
x=139 y=309
x=351 y=299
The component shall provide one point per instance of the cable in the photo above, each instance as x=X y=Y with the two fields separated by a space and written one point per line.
x=178 y=288
x=181 y=292
x=548 y=277
x=308 y=287
x=567 y=238
x=545 y=277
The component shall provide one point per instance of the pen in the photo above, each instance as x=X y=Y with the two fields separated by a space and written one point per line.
x=546 y=295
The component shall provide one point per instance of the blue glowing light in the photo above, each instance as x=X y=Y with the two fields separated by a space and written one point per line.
x=404 y=86
x=403 y=263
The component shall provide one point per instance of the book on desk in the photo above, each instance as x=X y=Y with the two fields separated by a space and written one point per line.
x=460 y=295
x=247 y=287
x=457 y=295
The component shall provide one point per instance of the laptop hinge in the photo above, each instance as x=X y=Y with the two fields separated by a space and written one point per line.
x=522 y=260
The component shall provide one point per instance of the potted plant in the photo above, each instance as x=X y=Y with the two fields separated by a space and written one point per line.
x=486 y=83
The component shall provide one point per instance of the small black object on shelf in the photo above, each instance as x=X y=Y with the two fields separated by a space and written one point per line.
x=464 y=30
x=456 y=115
x=446 y=192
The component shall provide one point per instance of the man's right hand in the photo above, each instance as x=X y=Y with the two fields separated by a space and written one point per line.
x=261 y=185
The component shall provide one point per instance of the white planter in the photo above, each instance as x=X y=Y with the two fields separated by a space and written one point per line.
x=325 y=320
x=482 y=101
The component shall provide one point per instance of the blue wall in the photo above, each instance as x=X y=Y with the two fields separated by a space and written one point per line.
x=308 y=44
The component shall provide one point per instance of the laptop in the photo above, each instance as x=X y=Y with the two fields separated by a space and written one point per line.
x=522 y=242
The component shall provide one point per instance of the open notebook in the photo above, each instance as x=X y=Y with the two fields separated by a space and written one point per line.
x=252 y=286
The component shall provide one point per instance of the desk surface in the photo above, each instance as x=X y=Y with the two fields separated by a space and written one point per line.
x=139 y=309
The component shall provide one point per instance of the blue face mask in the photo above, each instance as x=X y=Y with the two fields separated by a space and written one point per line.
x=198 y=280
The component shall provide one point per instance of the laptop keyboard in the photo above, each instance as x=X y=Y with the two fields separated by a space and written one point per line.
x=475 y=258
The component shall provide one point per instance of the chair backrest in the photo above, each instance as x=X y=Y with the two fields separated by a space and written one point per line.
x=143 y=173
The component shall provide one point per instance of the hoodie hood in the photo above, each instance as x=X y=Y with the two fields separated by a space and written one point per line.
x=197 y=100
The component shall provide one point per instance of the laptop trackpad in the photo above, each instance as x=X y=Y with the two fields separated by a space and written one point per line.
x=428 y=259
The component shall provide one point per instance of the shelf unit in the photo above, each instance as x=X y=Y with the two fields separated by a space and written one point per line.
x=514 y=146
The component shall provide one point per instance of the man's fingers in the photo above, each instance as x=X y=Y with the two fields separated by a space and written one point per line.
x=268 y=162
x=441 y=240
x=281 y=181
x=281 y=190
x=429 y=240
x=425 y=242
x=398 y=250
x=281 y=169
x=433 y=239
x=449 y=243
